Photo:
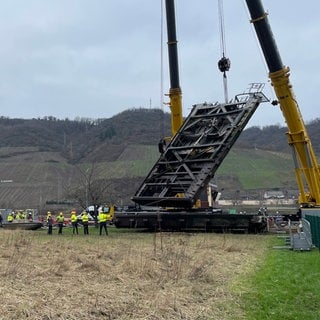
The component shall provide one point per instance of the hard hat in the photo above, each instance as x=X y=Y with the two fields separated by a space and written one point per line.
x=61 y=213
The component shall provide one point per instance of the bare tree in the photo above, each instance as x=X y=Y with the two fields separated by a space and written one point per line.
x=93 y=189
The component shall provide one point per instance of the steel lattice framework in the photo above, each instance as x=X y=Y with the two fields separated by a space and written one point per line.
x=195 y=153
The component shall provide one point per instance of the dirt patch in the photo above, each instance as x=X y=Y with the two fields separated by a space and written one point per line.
x=123 y=276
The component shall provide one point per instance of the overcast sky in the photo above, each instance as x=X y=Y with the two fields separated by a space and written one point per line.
x=96 y=58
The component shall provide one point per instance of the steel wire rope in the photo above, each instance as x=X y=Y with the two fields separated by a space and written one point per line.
x=224 y=63
x=161 y=100
x=222 y=28
x=162 y=118
x=162 y=133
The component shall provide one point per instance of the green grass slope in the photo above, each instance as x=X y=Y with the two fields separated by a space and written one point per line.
x=37 y=177
x=258 y=169
x=285 y=286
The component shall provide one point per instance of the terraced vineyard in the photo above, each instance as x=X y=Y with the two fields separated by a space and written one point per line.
x=29 y=178
x=32 y=178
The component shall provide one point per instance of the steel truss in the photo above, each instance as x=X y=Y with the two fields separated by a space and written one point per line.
x=193 y=156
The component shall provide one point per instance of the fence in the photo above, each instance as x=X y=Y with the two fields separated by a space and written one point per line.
x=315 y=228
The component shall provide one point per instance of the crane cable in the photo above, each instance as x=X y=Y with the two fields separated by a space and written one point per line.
x=224 y=63
x=162 y=142
x=161 y=73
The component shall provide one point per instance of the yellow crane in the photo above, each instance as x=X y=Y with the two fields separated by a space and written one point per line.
x=305 y=161
x=175 y=93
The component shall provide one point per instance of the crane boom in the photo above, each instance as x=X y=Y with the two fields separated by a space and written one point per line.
x=175 y=93
x=305 y=161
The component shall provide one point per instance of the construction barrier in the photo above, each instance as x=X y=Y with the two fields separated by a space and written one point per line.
x=315 y=228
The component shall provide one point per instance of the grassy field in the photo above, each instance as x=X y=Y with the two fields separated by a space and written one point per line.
x=285 y=286
x=132 y=275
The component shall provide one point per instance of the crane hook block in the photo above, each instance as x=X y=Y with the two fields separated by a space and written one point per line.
x=224 y=64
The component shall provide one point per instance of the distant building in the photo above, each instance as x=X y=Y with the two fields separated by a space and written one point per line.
x=273 y=195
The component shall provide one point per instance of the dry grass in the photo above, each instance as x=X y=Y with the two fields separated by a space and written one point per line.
x=124 y=276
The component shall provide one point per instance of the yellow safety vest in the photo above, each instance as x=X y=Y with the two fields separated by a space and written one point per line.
x=10 y=218
x=85 y=218
x=74 y=218
x=60 y=218
x=102 y=217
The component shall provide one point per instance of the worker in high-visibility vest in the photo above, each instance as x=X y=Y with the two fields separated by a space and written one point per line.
x=49 y=222
x=103 y=222
x=60 y=220
x=74 y=222
x=10 y=217
x=85 y=222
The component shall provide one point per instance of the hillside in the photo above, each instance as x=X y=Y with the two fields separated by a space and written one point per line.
x=41 y=160
x=86 y=139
